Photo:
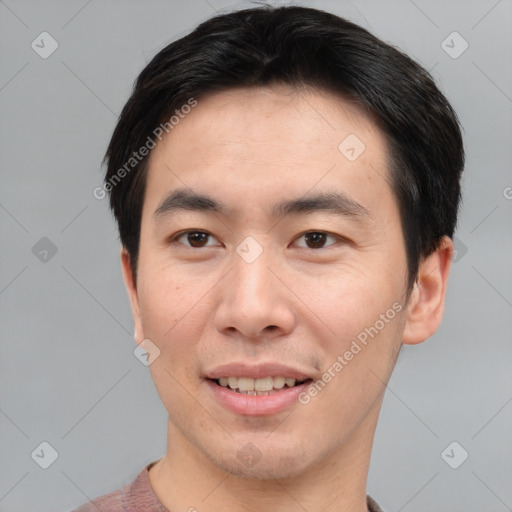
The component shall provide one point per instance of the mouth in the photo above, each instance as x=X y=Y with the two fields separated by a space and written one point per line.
x=262 y=396
x=258 y=387
x=262 y=389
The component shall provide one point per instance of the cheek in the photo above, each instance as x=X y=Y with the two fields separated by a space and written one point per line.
x=173 y=321
x=347 y=297
x=359 y=317
x=166 y=297
x=360 y=360
x=173 y=315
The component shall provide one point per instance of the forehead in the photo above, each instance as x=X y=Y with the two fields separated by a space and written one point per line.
x=311 y=116
x=273 y=140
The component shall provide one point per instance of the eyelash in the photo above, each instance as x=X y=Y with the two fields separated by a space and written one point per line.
x=179 y=235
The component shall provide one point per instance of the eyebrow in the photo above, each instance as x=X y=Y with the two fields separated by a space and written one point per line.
x=331 y=202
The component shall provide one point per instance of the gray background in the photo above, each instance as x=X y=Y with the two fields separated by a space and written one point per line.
x=68 y=375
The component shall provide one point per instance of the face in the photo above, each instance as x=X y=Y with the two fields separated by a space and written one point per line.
x=292 y=265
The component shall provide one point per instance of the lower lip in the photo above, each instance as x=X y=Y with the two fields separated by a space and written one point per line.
x=256 y=405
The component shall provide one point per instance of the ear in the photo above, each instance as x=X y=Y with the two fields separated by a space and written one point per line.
x=426 y=304
x=131 y=288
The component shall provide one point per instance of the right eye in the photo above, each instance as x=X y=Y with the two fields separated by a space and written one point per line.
x=193 y=239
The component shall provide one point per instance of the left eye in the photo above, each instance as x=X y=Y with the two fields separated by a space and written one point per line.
x=316 y=239
x=195 y=239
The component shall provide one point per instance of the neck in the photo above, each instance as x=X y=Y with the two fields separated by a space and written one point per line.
x=185 y=479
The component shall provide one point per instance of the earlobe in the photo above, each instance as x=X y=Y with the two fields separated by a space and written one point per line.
x=131 y=288
x=426 y=305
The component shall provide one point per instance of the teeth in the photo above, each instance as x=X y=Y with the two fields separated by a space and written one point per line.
x=265 y=384
x=279 y=382
x=245 y=384
x=250 y=386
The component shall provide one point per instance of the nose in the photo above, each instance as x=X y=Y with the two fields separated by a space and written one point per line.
x=254 y=300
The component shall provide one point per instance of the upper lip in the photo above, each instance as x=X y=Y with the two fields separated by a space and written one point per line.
x=256 y=371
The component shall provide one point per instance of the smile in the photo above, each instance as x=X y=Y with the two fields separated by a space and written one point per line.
x=252 y=402
x=257 y=387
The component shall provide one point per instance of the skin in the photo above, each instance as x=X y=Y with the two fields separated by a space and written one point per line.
x=206 y=306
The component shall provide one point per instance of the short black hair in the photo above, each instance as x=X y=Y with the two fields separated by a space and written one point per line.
x=300 y=47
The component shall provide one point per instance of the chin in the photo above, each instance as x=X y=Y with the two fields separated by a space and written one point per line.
x=268 y=463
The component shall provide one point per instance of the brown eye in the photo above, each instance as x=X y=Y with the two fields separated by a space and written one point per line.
x=316 y=239
x=195 y=239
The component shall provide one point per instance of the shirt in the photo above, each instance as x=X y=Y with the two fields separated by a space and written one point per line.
x=138 y=496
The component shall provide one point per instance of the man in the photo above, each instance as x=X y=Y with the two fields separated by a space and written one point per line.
x=286 y=188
